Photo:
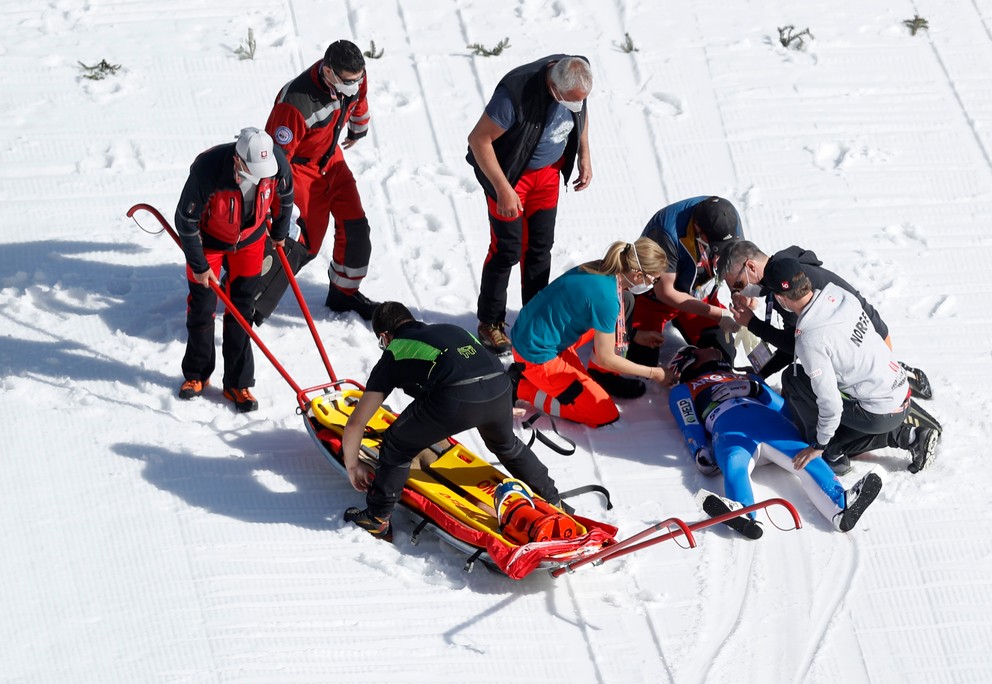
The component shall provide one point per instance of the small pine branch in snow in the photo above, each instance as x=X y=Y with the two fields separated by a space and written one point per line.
x=99 y=71
x=627 y=45
x=915 y=24
x=371 y=53
x=788 y=38
x=247 y=49
x=483 y=51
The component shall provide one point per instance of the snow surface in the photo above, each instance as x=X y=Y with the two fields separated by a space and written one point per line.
x=151 y=539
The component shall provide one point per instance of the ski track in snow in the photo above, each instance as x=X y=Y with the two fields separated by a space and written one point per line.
x=150 y=539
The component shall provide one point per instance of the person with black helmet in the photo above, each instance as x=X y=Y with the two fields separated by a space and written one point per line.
x=729 y=419
x=692 y=232
x=457 y=385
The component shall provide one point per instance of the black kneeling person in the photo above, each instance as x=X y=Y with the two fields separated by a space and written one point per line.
x=457 y=384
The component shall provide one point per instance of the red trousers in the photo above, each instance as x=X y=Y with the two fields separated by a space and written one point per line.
x=562 y=387
x=334 y=192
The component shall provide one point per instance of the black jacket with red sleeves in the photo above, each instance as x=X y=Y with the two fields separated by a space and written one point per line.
x=211 y=214
x=528 y=89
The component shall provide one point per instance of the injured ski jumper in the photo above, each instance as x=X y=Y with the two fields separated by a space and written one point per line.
x=732 y=423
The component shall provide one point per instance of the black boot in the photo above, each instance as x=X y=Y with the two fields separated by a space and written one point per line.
x=380 y=528
x=923 y=449
x=340 y=302
x=617 y=385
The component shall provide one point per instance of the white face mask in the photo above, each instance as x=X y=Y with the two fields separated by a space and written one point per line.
x=638 y=289
x=347 y=90
x=248 y=178
x=751 y=289
x=574 y=107
x=245 y=176
x=643 y=287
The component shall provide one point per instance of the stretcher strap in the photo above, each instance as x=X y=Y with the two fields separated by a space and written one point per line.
x=585 y=489
x=544 y=439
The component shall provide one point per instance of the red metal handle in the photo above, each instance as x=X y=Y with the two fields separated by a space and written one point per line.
x=632 y=544
x=221 y=295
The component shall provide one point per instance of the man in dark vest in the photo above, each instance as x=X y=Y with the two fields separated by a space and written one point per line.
x=534 y=128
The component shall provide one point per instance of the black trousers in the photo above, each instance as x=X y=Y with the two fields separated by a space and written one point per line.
x=435 y=415
x=506 y=250
x=859 y=430
x=274 y=281
x=200 y=358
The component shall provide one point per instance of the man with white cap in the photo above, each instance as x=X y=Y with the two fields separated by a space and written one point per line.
x=228 y=204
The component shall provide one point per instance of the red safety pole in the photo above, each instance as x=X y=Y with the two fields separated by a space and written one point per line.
x=632 y=544
x=220 y=295
x=616 y=549
x=306 y=312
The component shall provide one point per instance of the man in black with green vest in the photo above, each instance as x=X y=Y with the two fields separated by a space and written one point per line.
x=534 y=129
x=457 y=385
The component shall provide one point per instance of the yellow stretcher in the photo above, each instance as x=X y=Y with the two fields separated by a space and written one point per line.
x=455 y=479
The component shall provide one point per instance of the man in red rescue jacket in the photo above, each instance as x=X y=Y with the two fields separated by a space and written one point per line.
x=306 y=121
x=235 y=192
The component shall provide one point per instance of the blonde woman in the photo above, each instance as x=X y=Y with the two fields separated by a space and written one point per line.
x=586 y=303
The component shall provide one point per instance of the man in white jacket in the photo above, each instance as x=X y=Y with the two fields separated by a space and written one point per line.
x=850 y=395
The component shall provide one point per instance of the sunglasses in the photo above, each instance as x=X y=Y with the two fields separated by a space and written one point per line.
x=342 y=79
x=349 y=81
x=735 y=284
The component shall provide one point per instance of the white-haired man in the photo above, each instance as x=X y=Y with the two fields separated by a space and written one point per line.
x=534 y=129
